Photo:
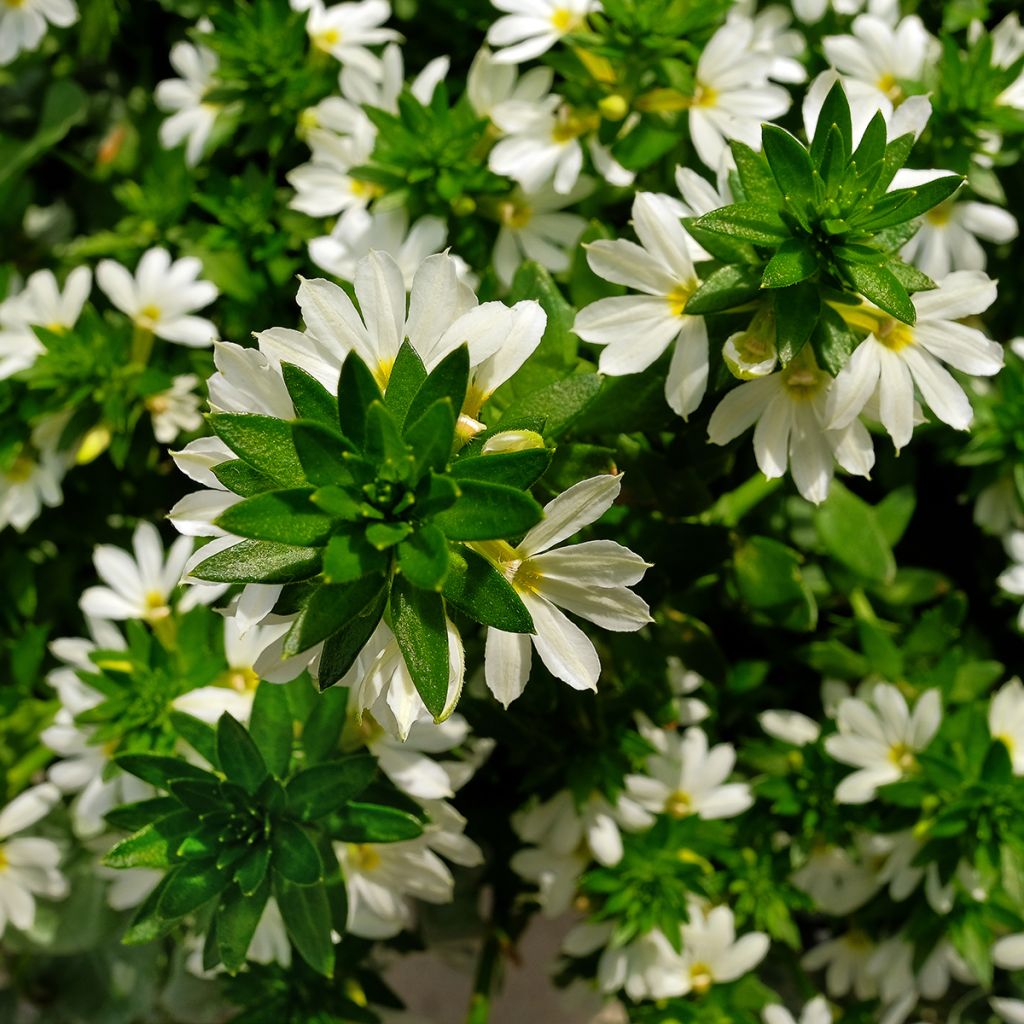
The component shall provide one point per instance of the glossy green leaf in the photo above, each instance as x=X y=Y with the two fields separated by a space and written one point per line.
x=310 y=399
x=477 y=589
x=270 y=726
x=240 y=477
x=294 y=856
x=519 y=469
x=419 y=624
x=321 y=450
x=407 y=376
x=794 y=261
x=323 y=788
x=350 y=556
x=748 y=222
x=285 y=517
x=237 y=917
x=188 y=887
x=448 y=379
x=259 y=561
x=797 y=309
x=423 y=558
x=880 y=286
x=357 y=391
x=370 y=823
x=341 y=650
x=307 y=919
x=853 y=536
x=263 y=442
x=330 y=609
x=240 y=759
x=485 y=511
x=789 y=162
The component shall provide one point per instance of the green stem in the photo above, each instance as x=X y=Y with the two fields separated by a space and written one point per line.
x=732 y=507
x=483 y=984
x=142 y=346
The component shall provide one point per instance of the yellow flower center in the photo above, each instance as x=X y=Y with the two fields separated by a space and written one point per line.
x=156 y=607
x=941 y=215
x=364 y=856
x=365 y=189
x=704 y=96
x=803 y=380
x=889 y=85
x=514 y=215
x=241 y=680
x=564 y=20
x=857 y=940
x=148 y=316
x=326 y=39
x=56 y=328
x=1007 y=741
x=679 y=804
x=571 y=124
x=157 y=404
x=520 y=572
x=3 y=859
x=701 y=978
x=894 y=335
x=21 y=470
x=680 y=296
x=902 y=756
x=14 y=3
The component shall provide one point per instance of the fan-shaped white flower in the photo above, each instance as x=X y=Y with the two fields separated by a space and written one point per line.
x=846 y=961
x=896 y=356
x=175 y=410
x=815 y=1012
x=636 y=329
x=591 y=580
x=346 y=30
x=880 y=736
x=555 y=874
x=531 y=27
x=33 y=479
x=491 y=84
x=685 y=777
x=29 y=865
x=682 y=682
x=23 y=23
x=1009 y=1010
x=947 y=239
x=192 y=115
x=790 y=727
x=997 y=508
x=1006 y=715
x=41 y=303
x=789 y=409
x=161 y=296
x=711 y=952
x=836 y=881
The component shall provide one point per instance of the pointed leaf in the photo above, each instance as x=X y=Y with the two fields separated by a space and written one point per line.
x=294 y=856
x=311 y=400
x=264 y=442
x=407 y=376
x=240 y=760
x=423 y=558
x=486 y=511
x=357 y=391
x=270 y=726
x=285 y=517
x=323 y=788
x=419 y=624
x=237 y=917
x=341 y=650
x=449 y=379
x=478 y=590
x=307 y=919
x=331 y=608
x=259 y=561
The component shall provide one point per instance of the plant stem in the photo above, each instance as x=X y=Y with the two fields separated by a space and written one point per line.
x=483 y=984
x=142 y=346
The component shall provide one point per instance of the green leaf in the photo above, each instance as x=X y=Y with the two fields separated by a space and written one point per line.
x=423 y=558
x=237 y=917
x=270 y=726
x=311 y=400
x=287 y=517
x=796 y=315
x=794 y=261
x=240 y=477
x=880 y=286
x=407 y=376
x=871 y=147
x=559 y=405
x=240 y=759
x=853 y=536
x=386 y=535
x=307 y=919
x=294 y=855
x=449 y=379
x=835 y=111
x=519 y=469
x=894 y=513
x=135 y=816
x=342 y=649
x=188 y=887
x=769 y=580
x=908 y=203
x=153 y=845
x=350 y=556
x=331 y=608
x=833 y=341
x=370 y=823
x=789 y=162
x=755 y=176
x=259 y=561
x=160 y=771
x=432 y=436
x=148 y=923
x=725 y=288
x=357 y=391
x=486 y=511
x=477 y=589
x=263 y=442
x=339 y=503
x=252 y=868
x=324 y=788
x=748 y=222
x=199 y=735
x=384 y=444
x=323 y=453
x=321 y=731
x=419 y=624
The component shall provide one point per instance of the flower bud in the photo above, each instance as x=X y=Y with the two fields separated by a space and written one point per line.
x=512 y=441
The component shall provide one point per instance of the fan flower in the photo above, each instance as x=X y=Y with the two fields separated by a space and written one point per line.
x=33 y=477
x=23 y=24
x=192 y=115
x=531 y=27
x=346 y=30
x=175 y=410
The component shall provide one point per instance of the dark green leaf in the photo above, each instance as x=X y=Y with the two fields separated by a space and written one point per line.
x=478 y=590
x=370 y=823
x=407 y=376
x=350 y=556
x=307 y=919
x=796 y=315
x=189 y=887
x=559 y=405
x=756 y=178
x=835 y=111
x=749 y=222
x=342 y=649
x=324 y=788
x=160 y=771
x=311 y=400
x=330 y=609
x=519 y=469
x=357 y=391
x=200 y=736
x=833 y=341
x=259 y=561
x=880 y=286
x=152 y=846
x=794 y=261
x=322 y=729
x=423 y=558
x=294 y=855
x=263 y=442
x=448 y=379
x=419 y=624
x=486 y=511
x=322 y=452
x=386 y=535
x=789 y=162
x=240 y=477
x=286 y=517
x=432 y=436
x=725 y=288
x=843 y=516
x=237 y=917
x=252 y=868
x=270 y=726
x=240 y=760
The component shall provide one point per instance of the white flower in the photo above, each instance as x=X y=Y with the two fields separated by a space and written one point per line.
x=28 y=864
x=23 y=23
x=41 y=303
x=490 y=85
x=1012 y=579
x=176 y=409
x=556 y=875
x=878 y=55
x=532 y=27
x=711 y=952
x=776 y=39
x=732 y=94
x=685 y=777
x=1006 y=718
x=997 y=508
x=815 y=1012
x=141 y=587
x=346 y=30
x=836 y=882
x=637 y=329
x=591 y=580
x=846 y=960
x=192 y=116
x=535 y=226
x=324 y=186
x=947 y=239
x=161 y=295
x=790 y=727
x=358 y=231
x=880 y=737
x=896 y=356
x=789 y=410
x=645 y=968
x=545 y=142
x=682 y=682
x=1009 y=1010
x=33 y=478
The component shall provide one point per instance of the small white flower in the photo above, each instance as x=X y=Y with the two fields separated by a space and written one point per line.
x=1011 y=1011
x=358 y=231
x=555 y=874
x=161 y=295
x=1006 y=719
x=591 y=580
x=846 y=960
x=531 y=27
x=947 y=239
x=490 y=85
x=192 y=116
x=1012 y=579
x=29 y=866
x=23 y=23
x=711 y=952
x=685 y=777
x=346 y=30
x=41 y=303
x=836 y=882
x=896 y=356
x=33 y=478
x=175 y=410
x=789 y=410
x=682 y=682
x=645 y=968
x=141 y=587
x=636 y=329
x=880 y=737
x=790 y=727
x=997 y=509
x=815 y=1012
